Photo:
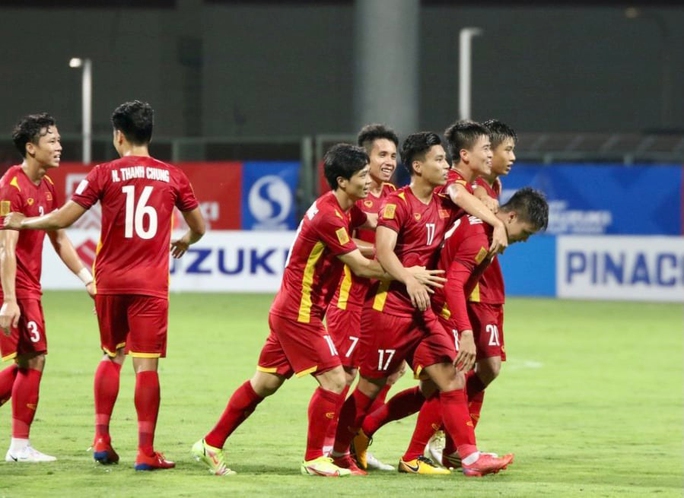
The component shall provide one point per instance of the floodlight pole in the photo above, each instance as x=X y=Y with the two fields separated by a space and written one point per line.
x=87 y=108
x=464 y=74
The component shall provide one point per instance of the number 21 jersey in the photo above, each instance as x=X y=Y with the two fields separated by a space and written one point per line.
x=137 y=197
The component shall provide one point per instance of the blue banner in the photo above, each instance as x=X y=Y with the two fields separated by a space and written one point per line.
x=595 y=199
x=530 y=269
x=268 y=195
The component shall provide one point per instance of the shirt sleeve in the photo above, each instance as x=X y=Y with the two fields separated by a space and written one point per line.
x=11 y=200
x=471 y=253
x=186 y=196
x=391 y=214
x=334 y=233
x=89 y=191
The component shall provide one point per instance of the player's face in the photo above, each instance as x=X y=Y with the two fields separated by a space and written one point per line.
x=503 y=157
x=434 y=167
x=48 y=151
x=359 y=184
x=481 y=156
x=518 y=230
x=383 y=160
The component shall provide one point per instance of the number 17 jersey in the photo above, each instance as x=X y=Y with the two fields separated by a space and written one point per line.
x=137 y=196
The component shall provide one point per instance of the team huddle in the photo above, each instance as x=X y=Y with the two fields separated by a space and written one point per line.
x=378 y=280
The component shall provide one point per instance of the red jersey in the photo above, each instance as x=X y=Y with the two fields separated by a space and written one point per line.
x=351 y=292
x=137 y=196
x=420 y=229
x=20 y=195
x=490 y=289
x=464 y=259
x=313 y=268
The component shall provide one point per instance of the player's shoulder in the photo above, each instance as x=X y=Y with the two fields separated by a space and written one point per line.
x=388 y=188
x=12 y=177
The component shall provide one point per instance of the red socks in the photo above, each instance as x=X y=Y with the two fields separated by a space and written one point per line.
x=332 y=428
x=106 y=390
x=401 y=405
x=240 y=406
x=7 y=376
x=429 y=421
x=323 y=410
x=457 y=421
x=147 y=399
x=353 y=412
x=25 y=393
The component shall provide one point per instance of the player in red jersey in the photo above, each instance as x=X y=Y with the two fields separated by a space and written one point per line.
x=298 y=343
x=138 y=194
x=398 y=323
x=466 y=259
x=343 y=317
x=27 y=189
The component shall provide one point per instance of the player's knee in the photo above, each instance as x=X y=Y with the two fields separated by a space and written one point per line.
x=489 y=369
x=33 y=361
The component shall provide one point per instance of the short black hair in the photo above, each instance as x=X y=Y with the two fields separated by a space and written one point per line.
x=499 y=131
x=463 y=134
x=372 y=132
x=416 y=146
x=135 y=120
x=30 y=129
x=343 y=160
x=531 y=206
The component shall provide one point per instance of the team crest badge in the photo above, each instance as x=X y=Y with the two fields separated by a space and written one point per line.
x=417 y=216
x=443 y=213
x=48 y=196
x=368 y=204
x=30 y=201
x=4 y=208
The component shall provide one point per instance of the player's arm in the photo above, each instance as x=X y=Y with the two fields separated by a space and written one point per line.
x=367 y=249
x=371 y=222
x=385 y=242
x=62 y=218
x=457 y=301
x=361 y=266
x=66 y=252
x=9 y=313
x=489 y=202
x=473 y=206
x=196 y=230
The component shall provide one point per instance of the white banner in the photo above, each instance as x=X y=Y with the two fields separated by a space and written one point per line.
x=223 y=261
x=620 y=267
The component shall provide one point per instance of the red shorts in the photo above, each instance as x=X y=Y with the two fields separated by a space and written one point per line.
x=139 y=324
x=344 y=326
x=487 y=321
x=297 y=348
x=388 y=340
x=29 y=337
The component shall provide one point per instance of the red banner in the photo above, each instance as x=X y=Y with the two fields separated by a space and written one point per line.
x=217 y=185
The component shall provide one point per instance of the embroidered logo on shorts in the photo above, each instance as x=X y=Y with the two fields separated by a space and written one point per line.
x=342 y=236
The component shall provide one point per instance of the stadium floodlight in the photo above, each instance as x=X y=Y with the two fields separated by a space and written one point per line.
x=86 y=104
x=464 y=74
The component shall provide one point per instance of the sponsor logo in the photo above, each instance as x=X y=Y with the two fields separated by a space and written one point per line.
x=270 y=202
x=231 y=262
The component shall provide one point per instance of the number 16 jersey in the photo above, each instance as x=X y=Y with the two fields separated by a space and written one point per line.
x=137 y=196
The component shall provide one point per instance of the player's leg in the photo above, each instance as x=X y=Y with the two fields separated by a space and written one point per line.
x=112 y=320
x=30 y=346
x=7 y=376
x=146 y=343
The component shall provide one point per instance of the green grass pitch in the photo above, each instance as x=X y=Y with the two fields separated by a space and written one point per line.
x=591 y=402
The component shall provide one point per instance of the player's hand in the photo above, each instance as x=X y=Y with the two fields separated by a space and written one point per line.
x=491 y=204
x=13 y=221
x=467 y=352
x=420 y=298
x=9 y=316
x=429 y=278
x=90 y=288
x=499 y=240
x=179 y=247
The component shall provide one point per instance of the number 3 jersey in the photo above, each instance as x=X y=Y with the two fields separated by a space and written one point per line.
x=137 y=196
x=20 y=195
